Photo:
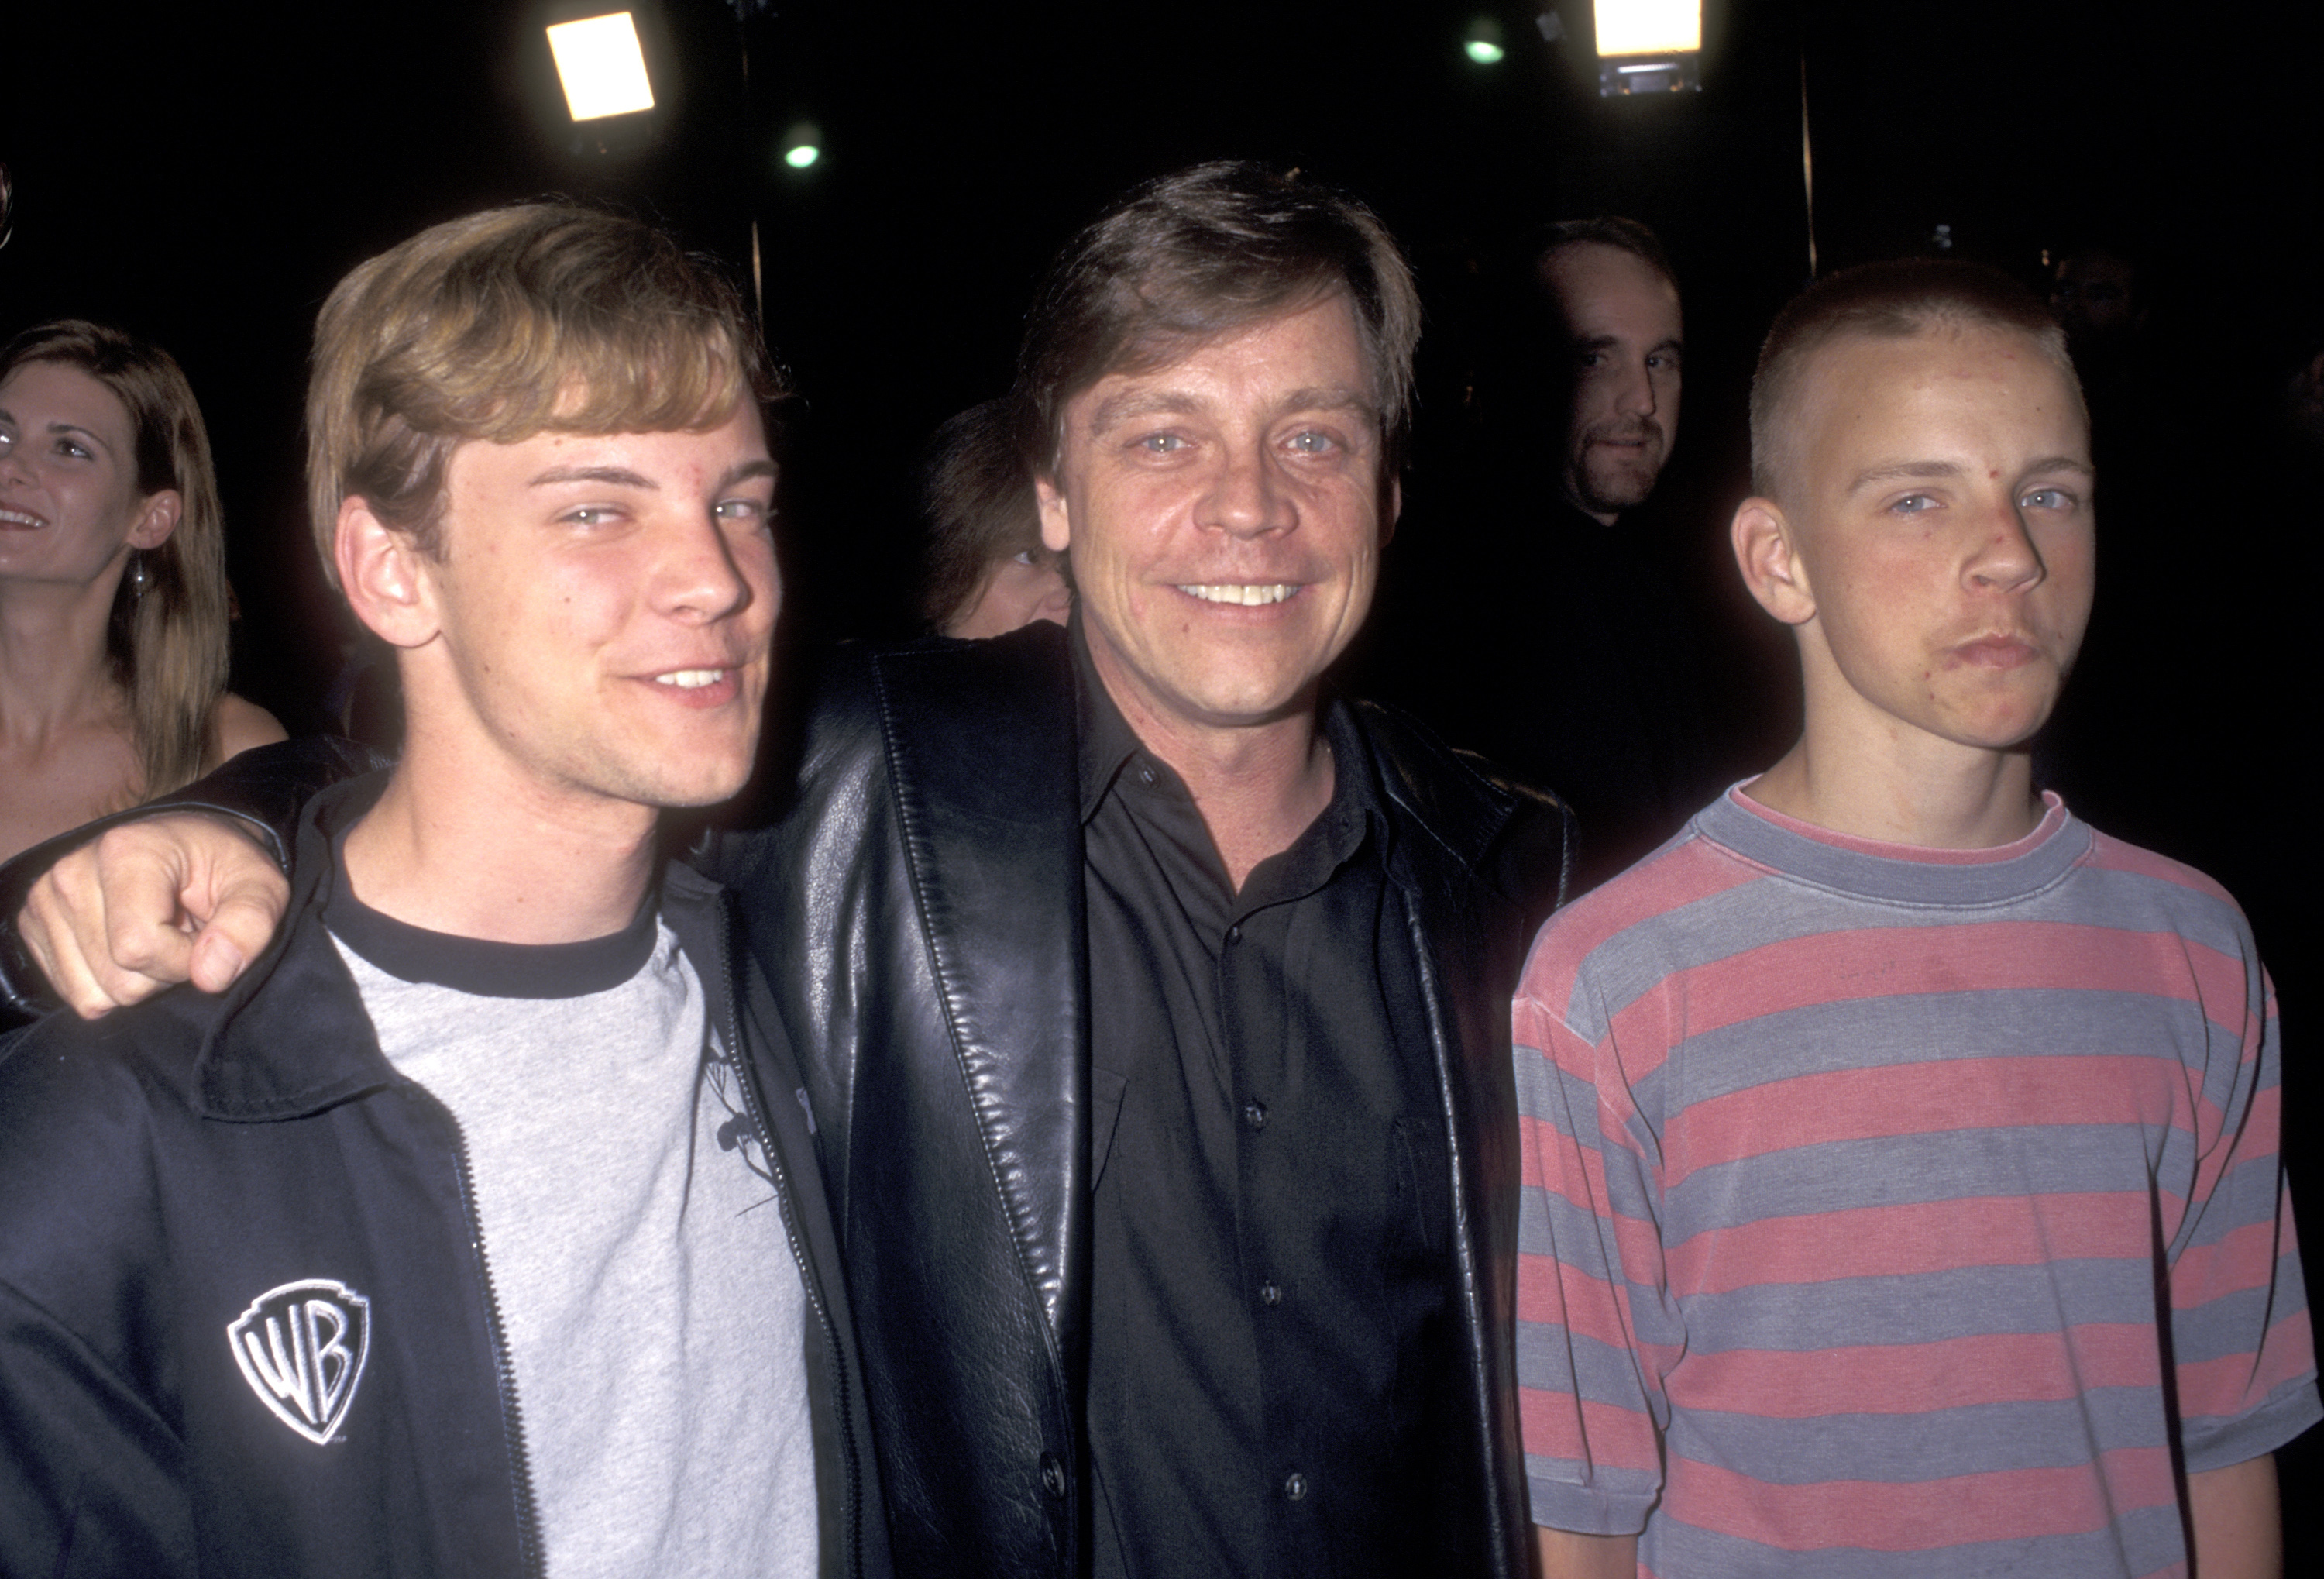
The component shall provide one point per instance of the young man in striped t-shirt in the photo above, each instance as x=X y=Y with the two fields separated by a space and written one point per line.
x=1902 y=1191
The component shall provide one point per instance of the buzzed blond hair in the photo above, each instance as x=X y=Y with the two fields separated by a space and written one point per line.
x=530 y=318
x=1883 y=301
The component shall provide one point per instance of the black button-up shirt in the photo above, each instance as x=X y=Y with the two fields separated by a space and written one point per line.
x=1272 y=1293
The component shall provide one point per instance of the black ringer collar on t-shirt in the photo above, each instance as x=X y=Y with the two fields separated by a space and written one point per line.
x=487 y=969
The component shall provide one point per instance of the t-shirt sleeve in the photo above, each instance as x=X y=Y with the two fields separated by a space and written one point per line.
x=2241 y=1343
x=1588 y=1255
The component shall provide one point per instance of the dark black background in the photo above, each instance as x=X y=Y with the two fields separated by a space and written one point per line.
x=205 y=174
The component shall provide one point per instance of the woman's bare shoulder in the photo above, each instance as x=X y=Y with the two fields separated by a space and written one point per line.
x=237 y=725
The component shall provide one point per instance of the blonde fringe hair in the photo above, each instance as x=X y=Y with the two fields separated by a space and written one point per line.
x=167 y=645
x=535 y=317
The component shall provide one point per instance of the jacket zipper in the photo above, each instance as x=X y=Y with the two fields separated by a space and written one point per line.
x=749 y=1083
x=528 y=1512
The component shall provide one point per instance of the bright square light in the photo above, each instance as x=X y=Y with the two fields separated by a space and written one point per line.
x=602 y=67
x=1649 y=27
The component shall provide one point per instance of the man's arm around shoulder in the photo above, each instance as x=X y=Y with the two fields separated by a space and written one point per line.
x=186 y=886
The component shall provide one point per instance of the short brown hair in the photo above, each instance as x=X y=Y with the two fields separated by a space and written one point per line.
x=1188 y=257
x=1889 y=301
x=1628 y=236
x=530 y=318
x=167 y=644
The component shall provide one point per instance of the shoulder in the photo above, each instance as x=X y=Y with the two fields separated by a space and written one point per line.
x=237 y=725
x=1503 y=829
x=862 y=693
x=2137 y=890
x=1689 y=900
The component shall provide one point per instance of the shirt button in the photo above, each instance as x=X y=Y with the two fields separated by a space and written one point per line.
x=1268 y=1294
x=1145 y=773
x=1234 y=933
x=1254 y=1113
x=1295 y=1486
x=1053 y=1474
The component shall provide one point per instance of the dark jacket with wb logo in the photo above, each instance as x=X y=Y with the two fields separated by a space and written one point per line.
x=245 y=1324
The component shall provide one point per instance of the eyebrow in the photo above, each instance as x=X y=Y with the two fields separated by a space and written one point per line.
x=1599 y=342
x=1932 y=470
x=623 y=477
x=616 y=475
x=747 y=471
x=1131 y=404
x=90 y=434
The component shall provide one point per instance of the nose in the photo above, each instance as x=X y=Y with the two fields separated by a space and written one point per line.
x=2006 y=559
x=1636 y=395
x=707 y=574
x=1246 y=497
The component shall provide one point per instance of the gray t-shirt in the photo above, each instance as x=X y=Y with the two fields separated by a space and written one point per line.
x=653 y=1313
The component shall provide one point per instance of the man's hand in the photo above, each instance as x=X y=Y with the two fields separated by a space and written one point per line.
x=150 y=904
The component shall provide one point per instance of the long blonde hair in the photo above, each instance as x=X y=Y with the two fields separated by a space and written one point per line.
x=167 y=641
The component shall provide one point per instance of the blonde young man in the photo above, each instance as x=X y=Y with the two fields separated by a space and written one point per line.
x=1901 y=1180
x=475 y=1230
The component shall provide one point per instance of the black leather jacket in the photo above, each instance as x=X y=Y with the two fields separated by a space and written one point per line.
x=918 y=911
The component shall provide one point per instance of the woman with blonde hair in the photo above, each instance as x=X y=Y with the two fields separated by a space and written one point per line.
x=113 y=595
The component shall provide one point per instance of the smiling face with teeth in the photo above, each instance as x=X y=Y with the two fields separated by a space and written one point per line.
x=597 y=629
x=69 y=506
x=1224 y=513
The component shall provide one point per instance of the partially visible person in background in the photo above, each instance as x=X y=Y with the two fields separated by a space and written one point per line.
x=985 y=571
x=1573 y=662
x=113 y=594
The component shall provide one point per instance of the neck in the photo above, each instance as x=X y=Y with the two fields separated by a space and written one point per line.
x=53 y=669
x=1954 y=797
x=468 y=848
x=1257 y=784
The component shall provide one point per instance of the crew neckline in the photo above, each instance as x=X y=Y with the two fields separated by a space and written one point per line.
x=1897 y=872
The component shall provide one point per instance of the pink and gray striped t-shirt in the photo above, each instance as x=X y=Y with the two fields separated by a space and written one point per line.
x=1891 y=1210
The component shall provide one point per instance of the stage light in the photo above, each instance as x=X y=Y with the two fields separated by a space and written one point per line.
x=802 y=145
x=1483 y=42
x=601 y=66
x=1649 y=46
x=1649 y=27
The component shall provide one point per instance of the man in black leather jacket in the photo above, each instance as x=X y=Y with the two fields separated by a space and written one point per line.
x=1151 y=999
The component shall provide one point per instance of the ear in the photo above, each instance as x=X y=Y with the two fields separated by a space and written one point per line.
x=157 y=518
x=1057 y=523
x=1766 y=551
x=1392 y=510
x=386 y=578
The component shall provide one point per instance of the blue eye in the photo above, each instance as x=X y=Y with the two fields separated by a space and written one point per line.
x=1313 y=443
x=2048 y=499
x=1162 y=443
x=1914 y=504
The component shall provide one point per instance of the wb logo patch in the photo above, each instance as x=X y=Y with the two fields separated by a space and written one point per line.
x=301 y=1347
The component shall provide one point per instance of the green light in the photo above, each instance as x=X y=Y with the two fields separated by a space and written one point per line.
x=1483 y=42
x=1484 y=53
x=802 y=144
